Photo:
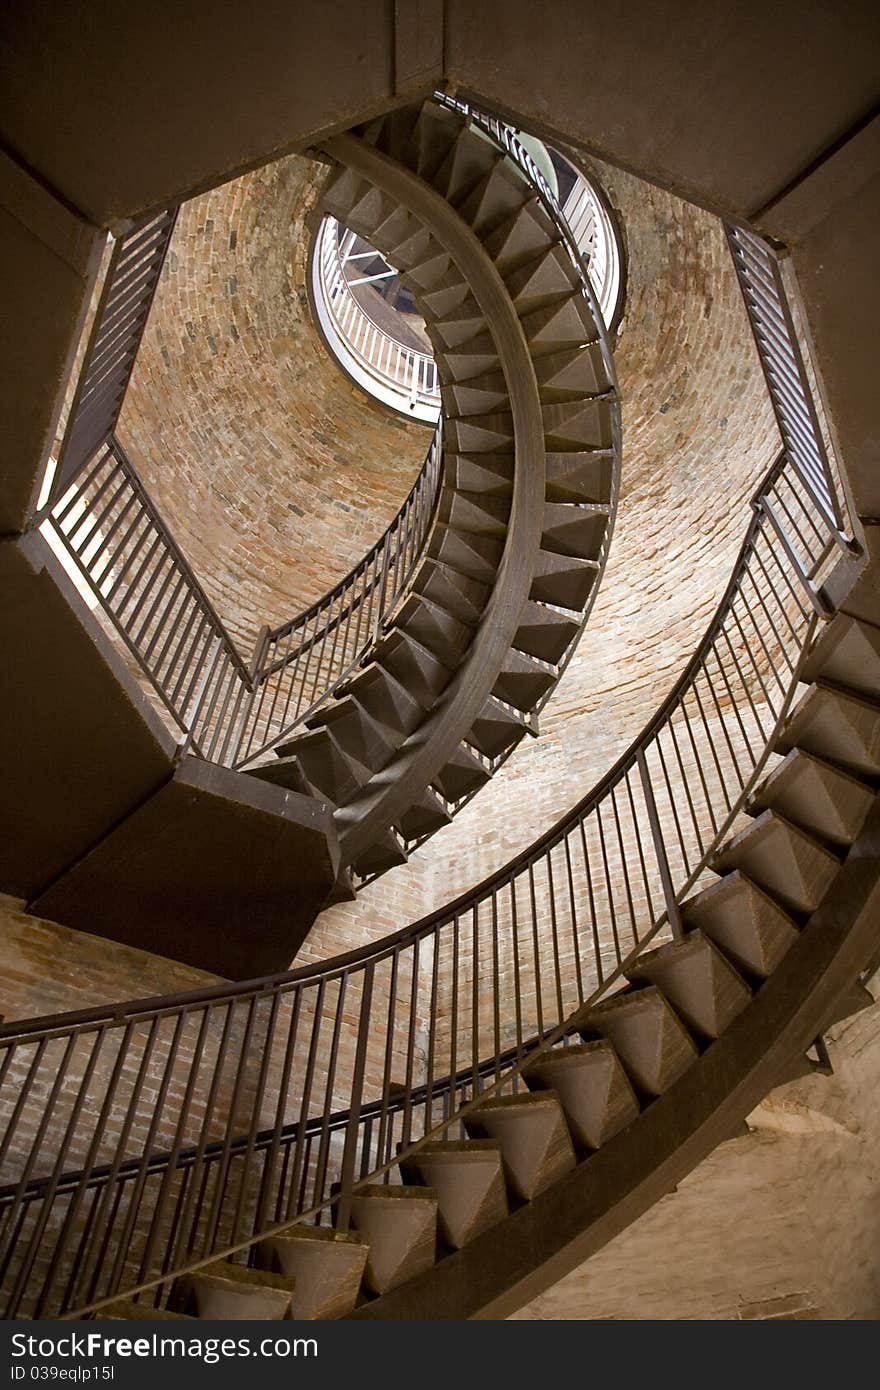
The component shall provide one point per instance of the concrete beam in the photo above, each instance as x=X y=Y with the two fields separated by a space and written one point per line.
x=831 y=222
x=50 y=258
x=723 y=104
x=80 y=743
x=163 y=100
x=215 y=869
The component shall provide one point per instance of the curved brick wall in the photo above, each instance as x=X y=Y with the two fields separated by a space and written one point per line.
x=275 y=474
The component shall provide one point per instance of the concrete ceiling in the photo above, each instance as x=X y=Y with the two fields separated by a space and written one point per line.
x=122 y=108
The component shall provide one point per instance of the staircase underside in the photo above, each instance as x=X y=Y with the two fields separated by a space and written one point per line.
x=104 y=828
x=502 y=1269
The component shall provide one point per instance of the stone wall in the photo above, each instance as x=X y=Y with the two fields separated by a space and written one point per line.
x=274 y=472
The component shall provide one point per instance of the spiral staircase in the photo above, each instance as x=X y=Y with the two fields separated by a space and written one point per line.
x=531 y=459
x=578 y=1032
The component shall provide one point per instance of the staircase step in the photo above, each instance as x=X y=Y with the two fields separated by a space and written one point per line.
x=829 y=804
x=461 y=596
x=458 y=326
x=400 y=1226
x=498 y=197
x=577 y=371
x=474 y=556
x=748 y=926
x=560 y=325
x=445 y=295
x=522 y=682
x=462 y=774
x=698 y=981
x=490 y=474
x=564 y=580
x=466 y=164
x=415 y=248
x=334 y=773
x=535 y=1143
x=586 y=423
x=475 y=396
x=385 y=853
x=580 y=476
x=357 y=733
x=544 y=633
x=496 y=730
x=342 y=890
x=435 y=130
x=385 y=698
x=436 y=629
x=788 y=864
x=543 y=281
x=424 y=816
x=372 y=210
x=418 y=669
x=326 y=1267
x=225 y=1292
x=647 y=1035
x=394 y=231
x=475 y=513
x=840 y=728
x=468 y=1177
x=424 y=275
x=574 y=530
x=285 y=772
x=593 y=1089
x=391 y=133
x=343 y=191
x=480 y=434
x=521 y=237
x=468 y=360
x=847 y=653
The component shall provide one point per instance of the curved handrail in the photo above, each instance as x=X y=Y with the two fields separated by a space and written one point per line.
x=400 y=376
x=533 y=945
x=296 y=668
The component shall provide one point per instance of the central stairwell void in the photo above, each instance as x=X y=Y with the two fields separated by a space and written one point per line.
x=441 y=1123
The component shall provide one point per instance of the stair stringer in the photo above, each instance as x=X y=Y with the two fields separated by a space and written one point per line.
x=545 y=1239
x=435 y=741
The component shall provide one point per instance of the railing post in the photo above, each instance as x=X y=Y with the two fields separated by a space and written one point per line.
x=673 y=912
x=346 y=1176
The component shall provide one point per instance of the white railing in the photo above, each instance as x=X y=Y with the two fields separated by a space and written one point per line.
x=592 y=229
x=395 y=373
x=392 y=370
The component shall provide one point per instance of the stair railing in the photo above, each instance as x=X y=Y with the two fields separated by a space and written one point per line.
x=759 y=271
x=149 y=1137
x=227 y=709
x=400 y=376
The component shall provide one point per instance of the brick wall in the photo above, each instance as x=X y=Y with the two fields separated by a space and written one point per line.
x=273 y=471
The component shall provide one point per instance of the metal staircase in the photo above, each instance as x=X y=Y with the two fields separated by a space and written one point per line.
x=438 y=1123
x=487 y=564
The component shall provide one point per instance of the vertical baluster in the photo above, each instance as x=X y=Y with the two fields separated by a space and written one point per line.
x=299 y=1166
x=343 y=1211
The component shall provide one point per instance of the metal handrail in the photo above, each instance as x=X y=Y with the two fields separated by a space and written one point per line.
x=227 y=710
x=533 y=946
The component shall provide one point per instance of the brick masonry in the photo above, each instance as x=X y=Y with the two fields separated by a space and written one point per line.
x=276 y=475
